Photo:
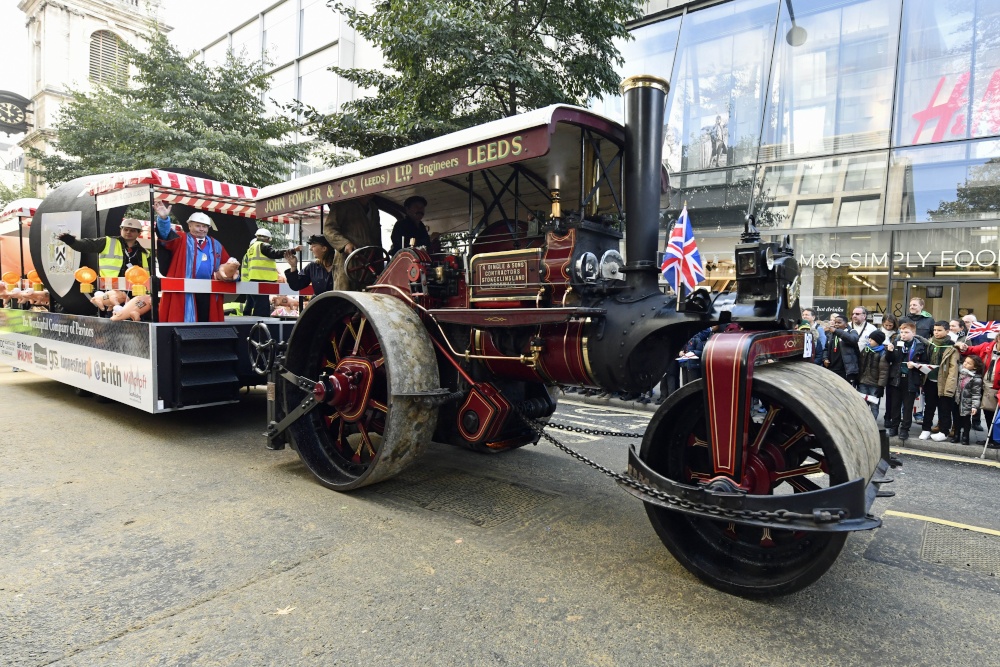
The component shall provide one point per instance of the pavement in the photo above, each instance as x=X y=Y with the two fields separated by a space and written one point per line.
x=912 y=443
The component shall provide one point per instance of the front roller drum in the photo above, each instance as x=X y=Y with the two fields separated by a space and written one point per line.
x=809 y=430
x=372 y=359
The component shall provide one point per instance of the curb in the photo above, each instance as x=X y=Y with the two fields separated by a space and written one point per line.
x=967 y=451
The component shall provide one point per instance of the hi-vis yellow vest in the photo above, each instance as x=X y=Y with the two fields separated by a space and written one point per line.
x=257 y=266
x=111 y=259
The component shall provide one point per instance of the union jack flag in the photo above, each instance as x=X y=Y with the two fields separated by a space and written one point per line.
x=682 y=261
x=980 y=328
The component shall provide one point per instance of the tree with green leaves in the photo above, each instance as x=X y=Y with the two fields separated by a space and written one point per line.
x=175 y=113
x=9 y=194
x=452 y=64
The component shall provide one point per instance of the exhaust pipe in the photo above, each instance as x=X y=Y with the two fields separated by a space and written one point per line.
x=645 y=98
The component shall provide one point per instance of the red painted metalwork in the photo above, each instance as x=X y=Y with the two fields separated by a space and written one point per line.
x=728 y=362
x=555 y=263
x=492 y=409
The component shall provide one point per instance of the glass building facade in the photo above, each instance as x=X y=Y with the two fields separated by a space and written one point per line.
x=867 y=130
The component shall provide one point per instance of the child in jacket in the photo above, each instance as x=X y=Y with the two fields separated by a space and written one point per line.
x=910 y=352
x=968 y=396
x=873 y=371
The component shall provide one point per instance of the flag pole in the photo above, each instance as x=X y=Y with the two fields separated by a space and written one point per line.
x=680 y=281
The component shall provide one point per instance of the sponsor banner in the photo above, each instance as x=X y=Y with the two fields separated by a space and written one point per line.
x=120 y=377
x=126 y=337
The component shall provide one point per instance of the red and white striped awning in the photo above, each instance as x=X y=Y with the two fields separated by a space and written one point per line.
x=201 y=193
x=20 y=208
x=206 y=286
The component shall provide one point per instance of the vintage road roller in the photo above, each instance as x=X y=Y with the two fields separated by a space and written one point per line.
x=752 y=476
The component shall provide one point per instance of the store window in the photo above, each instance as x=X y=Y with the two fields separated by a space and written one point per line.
x=650 y=51
x=949 y=71
x=953 y=182
x=832 y=78
x=108 y=59
x=715 y=103
x=281 y=38
x=842 y=270
x=320 y=25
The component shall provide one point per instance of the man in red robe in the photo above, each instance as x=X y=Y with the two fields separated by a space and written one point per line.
x=194 y=255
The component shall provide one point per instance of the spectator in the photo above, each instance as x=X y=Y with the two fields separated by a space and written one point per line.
x=861 y=325
x=922 y=320
x=970 y=321
x=910 y=352
x=841 y=355
x=809 y=315
x=990 y=355
x=818 y=349
x=893 y=391
x=940 y=383
x=956 y=330
x=968 y=396
x=873 y=371
x=691 y=354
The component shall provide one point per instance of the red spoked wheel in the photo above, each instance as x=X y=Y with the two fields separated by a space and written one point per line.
x=807 y=432
x=355 y=424
x=369 y=355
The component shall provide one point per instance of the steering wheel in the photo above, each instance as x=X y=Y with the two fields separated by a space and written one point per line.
x=364 y=265
x=261 y=346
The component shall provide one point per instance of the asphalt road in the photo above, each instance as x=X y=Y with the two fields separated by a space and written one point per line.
x=178 y=539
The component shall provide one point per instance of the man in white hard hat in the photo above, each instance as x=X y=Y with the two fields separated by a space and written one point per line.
x=195 y=255
x=258 y=266
x=115 y=254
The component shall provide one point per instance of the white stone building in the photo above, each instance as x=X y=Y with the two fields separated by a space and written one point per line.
x=74 y=43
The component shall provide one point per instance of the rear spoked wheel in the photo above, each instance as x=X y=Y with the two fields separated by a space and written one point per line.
x=800 y=441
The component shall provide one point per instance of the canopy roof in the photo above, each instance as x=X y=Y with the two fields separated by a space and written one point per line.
x=20 y=208
x=16 y=212
x=200 y=193
x=539 y=144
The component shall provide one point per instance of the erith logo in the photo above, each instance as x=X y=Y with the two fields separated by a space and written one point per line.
x=107 y=373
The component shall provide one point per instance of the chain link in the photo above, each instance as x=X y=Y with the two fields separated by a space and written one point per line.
x=591 y=431
x=777 y=516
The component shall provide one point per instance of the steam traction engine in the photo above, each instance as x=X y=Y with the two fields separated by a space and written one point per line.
x=752 y=476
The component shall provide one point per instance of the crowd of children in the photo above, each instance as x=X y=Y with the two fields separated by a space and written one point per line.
x=956 y=380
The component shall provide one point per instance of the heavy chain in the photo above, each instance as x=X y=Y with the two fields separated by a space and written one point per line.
x=777 y=516
x=589 y=431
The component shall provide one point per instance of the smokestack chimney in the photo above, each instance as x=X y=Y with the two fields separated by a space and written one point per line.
x=645 y=97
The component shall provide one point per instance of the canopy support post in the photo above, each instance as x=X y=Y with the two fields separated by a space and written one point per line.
x=154 y=283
